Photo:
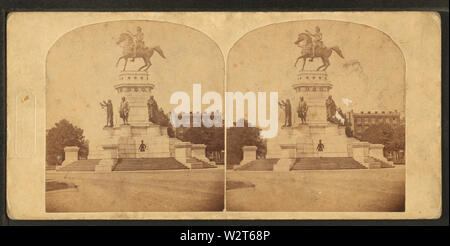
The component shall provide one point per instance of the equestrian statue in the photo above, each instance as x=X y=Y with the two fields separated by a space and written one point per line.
x=312 y=47
x=134 y=47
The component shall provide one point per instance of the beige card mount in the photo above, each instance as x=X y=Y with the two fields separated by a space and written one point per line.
x=293 y=115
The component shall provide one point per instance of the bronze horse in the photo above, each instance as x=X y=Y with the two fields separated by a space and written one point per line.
x=320 y=51
x=145 y=53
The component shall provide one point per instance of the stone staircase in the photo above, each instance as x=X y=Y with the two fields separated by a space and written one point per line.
x=139 y=164
x=376 y=163
x=204 y=163
x=80 y=166
x=326 y=163
x=259 y=165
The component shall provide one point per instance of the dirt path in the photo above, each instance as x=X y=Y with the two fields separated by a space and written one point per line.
x=340 y=190
x=197 y=190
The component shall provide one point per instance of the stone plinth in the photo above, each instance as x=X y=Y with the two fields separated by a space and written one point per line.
x=287 y=159
x=360 y=152
x=183 y=153
x=70 y=155
x=199 y=152
x=249 y=153
x=314 y=87
x=137 y=88
x=376 y=151
x=129 y=137
x=109 y=161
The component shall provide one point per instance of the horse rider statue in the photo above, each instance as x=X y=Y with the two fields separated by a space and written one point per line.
x=312 y=47
x=317 y=40
x=138 y=41
x=134 y=47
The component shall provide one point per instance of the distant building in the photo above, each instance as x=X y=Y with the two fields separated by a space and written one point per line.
x=363 y=120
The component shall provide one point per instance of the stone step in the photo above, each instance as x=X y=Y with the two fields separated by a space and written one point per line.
x=326 y=163
x=204 y=163
x=136 y=164
x=375 y=163
x=258 y=165
x=80 y=165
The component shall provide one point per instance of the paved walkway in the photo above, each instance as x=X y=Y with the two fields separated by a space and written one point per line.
x=319 y=190
x=177 y=190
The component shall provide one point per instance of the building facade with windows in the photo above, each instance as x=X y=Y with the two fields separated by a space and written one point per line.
x=363 y=120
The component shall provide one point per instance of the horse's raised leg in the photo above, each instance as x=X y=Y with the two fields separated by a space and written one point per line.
x=295 y=65
x=326 y=64
x=120 y=58
x=325 y=68
x=323 y=65
x=145 y=65
x=149 y=64
x=125 y=65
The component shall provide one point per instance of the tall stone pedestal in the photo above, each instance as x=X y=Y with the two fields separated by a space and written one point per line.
x=314 y=87
x=137 y=88
x=141 y=139
x=302 y=140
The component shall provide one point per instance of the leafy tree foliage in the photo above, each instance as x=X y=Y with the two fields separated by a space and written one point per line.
x=238 y=137
x=64 y=134
x=212 y=137
x=393 y=138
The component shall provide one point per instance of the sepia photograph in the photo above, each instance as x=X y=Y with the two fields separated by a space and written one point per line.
x=110 y=144
x=341 y=120
x=223 y=116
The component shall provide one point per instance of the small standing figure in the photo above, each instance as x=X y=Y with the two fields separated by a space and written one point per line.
x=152 y=107
x=331 y=108
x=109 y=112
x=287 y=112
x=124 y=110
x=320 y=146
x=302 y=110
x=317 y=41
x=142 y=147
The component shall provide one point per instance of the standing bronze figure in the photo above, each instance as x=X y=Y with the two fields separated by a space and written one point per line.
x=109 y=112
x=287 y=112
x=152 y=108
x=302 y=110
x=331 y=108
x=124 y=110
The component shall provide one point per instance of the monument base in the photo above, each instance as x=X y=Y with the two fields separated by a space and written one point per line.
x=105 y=166
x=301 y=142
x=306 y=139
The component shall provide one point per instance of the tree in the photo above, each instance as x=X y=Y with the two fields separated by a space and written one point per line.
x=64 y=134
x=238 y=137
x=212 y=137
x=393 y=138
x=397 y=141
x=378 y=134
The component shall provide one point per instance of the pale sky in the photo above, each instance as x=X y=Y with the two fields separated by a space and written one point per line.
x=81 y=68
x=264 y=59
